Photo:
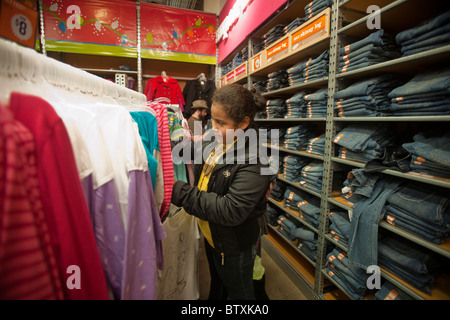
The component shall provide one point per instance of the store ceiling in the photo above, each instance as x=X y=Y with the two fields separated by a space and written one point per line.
x=185 y=4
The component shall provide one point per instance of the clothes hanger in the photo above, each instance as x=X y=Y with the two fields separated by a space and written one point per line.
x=164 y=76
x=202 y=78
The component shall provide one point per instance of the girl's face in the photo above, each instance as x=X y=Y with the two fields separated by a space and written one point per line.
x=223 y=125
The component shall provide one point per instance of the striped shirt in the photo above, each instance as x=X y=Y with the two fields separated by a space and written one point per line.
x=27 y=263
x=166 y=154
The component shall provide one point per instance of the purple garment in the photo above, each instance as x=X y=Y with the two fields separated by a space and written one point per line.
x=109 y=234
x=143 y=245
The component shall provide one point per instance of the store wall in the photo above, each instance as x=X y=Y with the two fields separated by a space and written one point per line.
x=255 y=14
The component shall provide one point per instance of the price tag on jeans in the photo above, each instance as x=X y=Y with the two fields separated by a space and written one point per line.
x=350 y=215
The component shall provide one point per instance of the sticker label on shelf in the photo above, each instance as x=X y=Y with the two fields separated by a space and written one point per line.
x=256 y=63
x=240 y=70
x=278 y=50
x=316 y=27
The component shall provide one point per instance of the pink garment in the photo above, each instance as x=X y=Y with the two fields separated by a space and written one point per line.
x=27 y=262
x=166 y=154
x=63 y=200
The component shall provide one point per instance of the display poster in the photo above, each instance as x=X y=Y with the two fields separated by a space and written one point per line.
x=177 y=34
x=91 y=26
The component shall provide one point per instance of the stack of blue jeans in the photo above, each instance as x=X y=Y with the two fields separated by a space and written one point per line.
x=363 y=142
x=275 y=108
x=292 y=165
x=260 y=85
x=308 y=70
x=307 y=206
x=339 y=227
x=258 y=47
x=428 y=35
x=375 y=48
x=287 y=227
x=273 y=35
x=296 y=105
x=227 y=68
x=277 y=80
x=311 y=176
x=360 y=184
x=427 y=94
x=307 y=240
x=430 y=154
x=316 y=106
x=237 y=60
x=316 y=6
x=408 y=262
x=390 y=292
x=297 y=137
x=278 y=190
x=244 y=53
x=272 y=215
x=366 y=98
x=352 y=279
x=421 y=211
x=297 y=22
x=316 y=145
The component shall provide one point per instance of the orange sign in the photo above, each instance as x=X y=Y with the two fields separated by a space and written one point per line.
x=279 y=47
x=257 y=62
x=18 y=22
x=309 y=30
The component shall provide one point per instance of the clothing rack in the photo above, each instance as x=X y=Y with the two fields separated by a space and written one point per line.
x=28 y=64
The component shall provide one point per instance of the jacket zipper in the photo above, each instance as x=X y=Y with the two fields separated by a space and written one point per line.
x=223 y=256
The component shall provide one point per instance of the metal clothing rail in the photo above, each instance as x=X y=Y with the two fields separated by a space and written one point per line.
x=22 y=62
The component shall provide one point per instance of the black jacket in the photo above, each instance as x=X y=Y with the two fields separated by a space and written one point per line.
x=234 y=201
x=193 y=90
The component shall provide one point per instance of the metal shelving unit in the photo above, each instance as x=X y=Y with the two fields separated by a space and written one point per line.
x=348 y=22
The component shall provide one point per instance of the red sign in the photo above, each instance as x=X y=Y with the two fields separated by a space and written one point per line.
x=230 y=76
x=177 y=30
x=91 y=21
x=240 y=70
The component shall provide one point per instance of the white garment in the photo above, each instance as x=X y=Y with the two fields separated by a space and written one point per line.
x=181 y=248
x=125 y=147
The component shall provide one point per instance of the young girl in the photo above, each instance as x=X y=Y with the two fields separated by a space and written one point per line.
x=228 y=197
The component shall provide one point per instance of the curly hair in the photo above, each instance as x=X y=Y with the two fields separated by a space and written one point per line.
x=239 y=102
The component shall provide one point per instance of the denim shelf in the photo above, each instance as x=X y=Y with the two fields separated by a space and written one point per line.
x=293 y=244
x=437 y=181
x=298 y=153
x=442 y=249
x=298 y=186
x=292 y=213
x=314 y=84
x=402 y=65
x=395 y=119
x=325 y=273
x=417 y=294
x=290 y=119
x=348 y=23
